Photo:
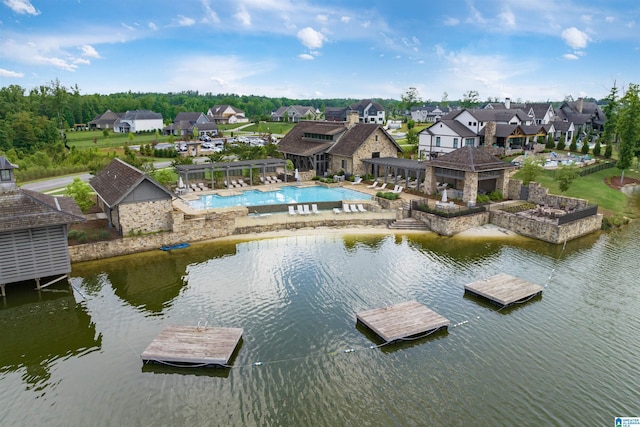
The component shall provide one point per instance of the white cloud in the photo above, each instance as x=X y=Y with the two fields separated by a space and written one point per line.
x=609 y=19
x=243 y=16
x=7 y=73
x=23 y=7
x=575 y=38
x=345 y=19
x=451 y=22
x=183 y=21
x=128 y=27
x=507 y=18
x=311 y=38
x=570 y=56
x=152 y=26
x=322 y=19
x=210 y=14
x=88 y=50
x=58 y=63
x=306 y=56
x=81 y=61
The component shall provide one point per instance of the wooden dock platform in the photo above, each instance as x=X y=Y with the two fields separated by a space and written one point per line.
x=193 y=345
x=402 y=320
x=504 y=289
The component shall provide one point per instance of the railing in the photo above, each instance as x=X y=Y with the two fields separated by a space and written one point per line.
x=445 y=210
x=596 y=168
x=574 y=216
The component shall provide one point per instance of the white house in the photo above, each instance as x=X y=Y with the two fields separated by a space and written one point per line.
x=443 y=137
x=369 y=111
x=138 y=121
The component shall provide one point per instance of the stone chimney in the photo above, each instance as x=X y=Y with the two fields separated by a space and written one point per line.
x=490 y=134
x=507 y=103
x=352 y=118
x=579 y=105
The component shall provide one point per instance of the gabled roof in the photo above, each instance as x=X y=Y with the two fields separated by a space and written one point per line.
x=108 y=117
x=360 y=106
x=6 y=164
x=491 y=115
x=22 y=208
x=504 y=130
x=539 y=108
x=454 y=125
x=191 y=117
x=345 y=140
x=141 y=115
x=469 y=159
x=118 y=179
x=218 y=110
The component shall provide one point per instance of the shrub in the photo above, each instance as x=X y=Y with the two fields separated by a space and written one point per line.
x=597 y=149
x=482 y=198
x=561 y=144
x=496 y=196
x=388 y=195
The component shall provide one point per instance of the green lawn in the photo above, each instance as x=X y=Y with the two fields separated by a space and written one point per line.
x=85 y=139
x=270 y=127
x=593 y=188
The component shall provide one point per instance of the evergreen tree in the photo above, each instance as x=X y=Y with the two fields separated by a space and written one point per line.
x=550 y=144
x=597 y=149
x=628 y=127
x=585 y=145
x=574 y=143
x=608 y=150
x=561 y=144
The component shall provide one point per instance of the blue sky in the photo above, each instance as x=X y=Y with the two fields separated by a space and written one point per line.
x=526 y=50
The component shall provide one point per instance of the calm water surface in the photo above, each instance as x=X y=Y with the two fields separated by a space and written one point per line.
x=567 y=358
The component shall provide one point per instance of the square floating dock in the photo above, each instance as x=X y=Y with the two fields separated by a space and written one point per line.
x=402 y=320
x=191 y=345
x=504 y=289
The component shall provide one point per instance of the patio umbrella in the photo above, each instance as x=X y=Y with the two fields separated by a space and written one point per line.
x=444 y=195
x=180 y=183
x=296 y=175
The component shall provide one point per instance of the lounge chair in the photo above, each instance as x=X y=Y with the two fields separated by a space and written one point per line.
x=226 y=184
x=353 y=208
x=194 y=187
x=306 y=210
x=336 y=210
x=300 y=210
x=382 y=187
x=202 y=186
x=374 y=185
x=314 y=209
x=361 y=208
x=398 y=189
x=235 y=183
x=292 y=210
x=262 y=180
x=275 y=179
x=357 y=181
x=345 y=208
x=242 y=183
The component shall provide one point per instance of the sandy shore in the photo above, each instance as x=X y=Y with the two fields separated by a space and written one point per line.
x=487 y=230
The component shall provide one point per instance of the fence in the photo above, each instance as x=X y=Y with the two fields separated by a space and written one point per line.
x=583 y=213
x=448 y=211
x=596 y=168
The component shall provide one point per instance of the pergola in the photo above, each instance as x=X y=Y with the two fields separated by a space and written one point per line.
x=394 y=167
x=231 y=168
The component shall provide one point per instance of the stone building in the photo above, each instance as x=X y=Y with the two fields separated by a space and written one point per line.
x=334 y=147
x=132 y=201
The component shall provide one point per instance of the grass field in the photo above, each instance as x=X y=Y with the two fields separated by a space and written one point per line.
x=95 y=138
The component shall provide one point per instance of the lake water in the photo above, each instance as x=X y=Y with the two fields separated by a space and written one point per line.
x=567 y=358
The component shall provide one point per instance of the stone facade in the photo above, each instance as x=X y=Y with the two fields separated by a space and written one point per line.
x=146 y=217
x=377 y=142
x=470 y=187
x=450 y=226
x=540 y=196
x=548 y=232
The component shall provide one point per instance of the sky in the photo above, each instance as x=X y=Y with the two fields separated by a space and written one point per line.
x=541 y=50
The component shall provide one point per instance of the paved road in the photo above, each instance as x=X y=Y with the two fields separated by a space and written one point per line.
x=63 y=181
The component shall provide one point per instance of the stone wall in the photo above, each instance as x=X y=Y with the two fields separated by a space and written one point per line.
x=378 y=142
x=145 y=217
x=540 y=196
x=546 y=231
x=450 y=226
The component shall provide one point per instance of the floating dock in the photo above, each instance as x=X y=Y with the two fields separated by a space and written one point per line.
x=402 y=320
x=193 y=345
x=504 y=289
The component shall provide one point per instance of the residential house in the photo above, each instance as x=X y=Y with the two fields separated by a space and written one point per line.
x=369 y=111
x=331 y=147
x=106 y=120
x=466 y=127
x=138 y=121
x=185 y=123
x=226 y=114
x=585 y=115
x=428 y=113
x=132 y=201
x=33 y=232
x=294 y=114
x=336 y=114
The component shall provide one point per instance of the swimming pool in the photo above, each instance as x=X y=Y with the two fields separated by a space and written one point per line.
x=282 y=196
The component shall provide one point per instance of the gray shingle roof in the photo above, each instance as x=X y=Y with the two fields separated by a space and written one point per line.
x=141 y=115
x=471 y=159
x=117 y=180
x=22 y=208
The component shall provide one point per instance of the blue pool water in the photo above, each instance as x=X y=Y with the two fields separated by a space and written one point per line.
x=282 y=196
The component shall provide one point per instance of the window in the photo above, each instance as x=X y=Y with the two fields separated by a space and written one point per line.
x=455 y=142
x=375 y=155
x=437 y=141
x=468 y=142
x=344 y=164
x=376 y=138
x=5 y=175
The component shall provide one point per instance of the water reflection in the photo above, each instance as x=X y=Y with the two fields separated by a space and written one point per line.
x=38 y=328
